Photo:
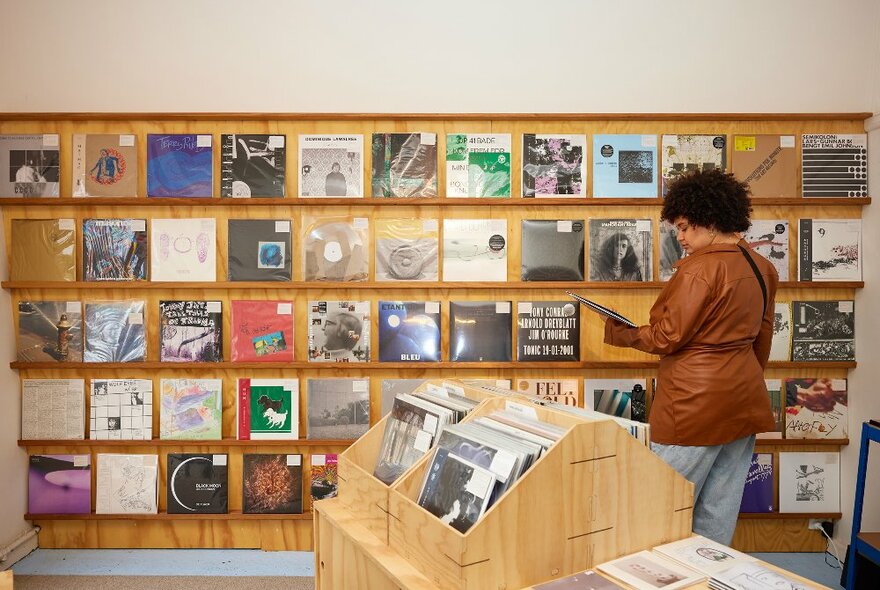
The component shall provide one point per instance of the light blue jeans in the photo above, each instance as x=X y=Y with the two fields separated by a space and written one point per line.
x=719 y=476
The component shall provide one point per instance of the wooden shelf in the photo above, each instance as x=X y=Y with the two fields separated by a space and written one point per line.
x=230 y=116
x=226 y=442
x=790 y=515
x=800 y=442
x=376 y=366
x=398 y=202
x=870 y=539
x=382 y=285
x=231 y=515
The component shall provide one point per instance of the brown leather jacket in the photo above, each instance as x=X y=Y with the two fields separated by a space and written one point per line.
x=706 y=325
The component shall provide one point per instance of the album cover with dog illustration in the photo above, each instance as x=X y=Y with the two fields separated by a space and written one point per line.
x=267 y=409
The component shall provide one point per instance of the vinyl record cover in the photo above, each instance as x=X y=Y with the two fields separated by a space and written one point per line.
x=267 y=409
x=192 y=409
x=114 y=249
x=554 y=165
x=769 y=238
x=262 y=331
x=816 y=408
x=823 y=331
x=43 y=250
x=548 y=331
x=758 y=493
x=703 y=555
x=777 y=398
x=252 y=165
x=681 y=154
x=197 y=484
x=105 y=165
x=474 y=249
x=115 y=332
x=339 y=331
x=30 y=165
x=830 y=250
x=325 y=476
x=338 y=409
x=625 y=398
x=588 y=580
x=272 y=484
x=620 y=250
x=336 y=248
x=180 y=165
x=477 y=164
x=406 y=249
x=834 y=165
x=809 y=482
x=670 y=250
x=52 y=409
x=780 y=346
x=404 y=165
x=392 y=387
x=183 y=250
x=407 y=437
x=768 y=163
x=561 y=391
x=552 y=250
x=625 y=165
x=259 y=250
x=50 y=331
x=121 y=409
x=456 y=491
x=60 y=484
x=331 y=165
x=480 y=331
x=409 y=331
x=191 y=331
x=650 y=571
x=126 y=484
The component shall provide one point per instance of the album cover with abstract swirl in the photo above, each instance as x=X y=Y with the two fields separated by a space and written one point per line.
x=272 y=484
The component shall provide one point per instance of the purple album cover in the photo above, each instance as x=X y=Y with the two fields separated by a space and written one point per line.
x=179 y=165
x=758 y=493
x=59 y=484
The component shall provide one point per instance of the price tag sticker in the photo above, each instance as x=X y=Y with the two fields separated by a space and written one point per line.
x=294 y=460
x=563 y=226
x=362 y=307
x=522 y=410
x=524 y=307
x=502 y=307
x=744 y=143
x=502 y=464
x=138 y=225
x=437 y=390
x=319 y=460
x=73 y=307
x=428 y=139
x=219 y=460
x=430 y=225
x=282 y=227
x=453 y=388
x=203 y=141
x=214 y=307
x=50 y=140
x=136 y=319
x=431 y=423
x=65 y=224
x=786 y=141
x=276 y=141
x=284 y=309
x=643 y=225
x=360 y=223
x=80 y=460
x=845 y=306
x=432 y=307
x=775 y=384
x=649 y=141
x=502 y=383
x=838 y=384
x=126 y=140
x=360 y=386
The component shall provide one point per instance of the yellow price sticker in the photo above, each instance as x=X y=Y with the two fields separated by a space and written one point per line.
x=744 y=143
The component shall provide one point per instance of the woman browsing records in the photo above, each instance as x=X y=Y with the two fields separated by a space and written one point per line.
x=711 y=326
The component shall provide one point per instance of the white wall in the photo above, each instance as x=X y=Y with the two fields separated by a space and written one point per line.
x=474 y=56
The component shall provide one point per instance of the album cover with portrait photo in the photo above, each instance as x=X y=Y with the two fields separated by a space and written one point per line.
x=252 y=165
x=29 y=165
x=625 y=165
x=262 y=331
x=105 y=165
x=339 y=331
x=620 y=250
x=331 y=165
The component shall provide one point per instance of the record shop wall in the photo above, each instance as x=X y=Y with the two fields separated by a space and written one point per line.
x=457 y=57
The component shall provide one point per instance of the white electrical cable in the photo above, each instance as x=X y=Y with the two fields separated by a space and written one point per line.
x=835 y=553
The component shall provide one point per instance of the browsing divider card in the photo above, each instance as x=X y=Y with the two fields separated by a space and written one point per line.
x=183 y=250
x=625 y=166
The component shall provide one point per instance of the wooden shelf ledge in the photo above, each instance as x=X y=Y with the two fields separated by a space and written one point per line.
x=790 y=515
x=370 y=202
x=382 y=285
x=376 y=366
x=231 y=515
x=800 y=442
x=188 y=444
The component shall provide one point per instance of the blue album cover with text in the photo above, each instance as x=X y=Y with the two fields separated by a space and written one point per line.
x=179 y=165
x=625 y=166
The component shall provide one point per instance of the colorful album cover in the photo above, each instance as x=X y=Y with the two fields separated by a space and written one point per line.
x=114 y=250
x=252 y=165
x=325 y=476
x=339 y=331
x=272 y=484
x=262 y=331
x=105 y=165
x=478 y=164
x=267 y=409
x=625 y=166
x=192 y=409
x=191 y=331
x=816 y=408
x=180 y=165
x=554 y=165
x=50 y=331
x=60 y=484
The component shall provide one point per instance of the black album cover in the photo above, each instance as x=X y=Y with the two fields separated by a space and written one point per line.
x=552 y=250
x=456 y=491
x=252 y=165
x=823 y=331
x=272 y=484
x=409 y=331
x=259 y=250
x=197 y=484
x=480 y=331
x=548 y=331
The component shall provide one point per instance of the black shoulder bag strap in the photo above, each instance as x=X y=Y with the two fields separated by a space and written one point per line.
x=757 y=275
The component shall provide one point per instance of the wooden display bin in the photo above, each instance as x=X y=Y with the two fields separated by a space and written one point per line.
x=359 y=490
x=584 y=502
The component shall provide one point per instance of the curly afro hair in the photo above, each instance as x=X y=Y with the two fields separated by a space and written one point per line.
x=712 y=199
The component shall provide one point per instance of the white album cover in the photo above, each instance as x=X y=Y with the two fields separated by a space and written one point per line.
x=809 y=482
x=331 y=165
x=127 y=484
x=474 y=249
x=183 y=250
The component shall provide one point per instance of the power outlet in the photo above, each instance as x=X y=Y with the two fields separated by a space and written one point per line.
x=821 y=525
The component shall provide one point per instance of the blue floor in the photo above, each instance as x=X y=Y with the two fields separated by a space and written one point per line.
x=250 y=562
